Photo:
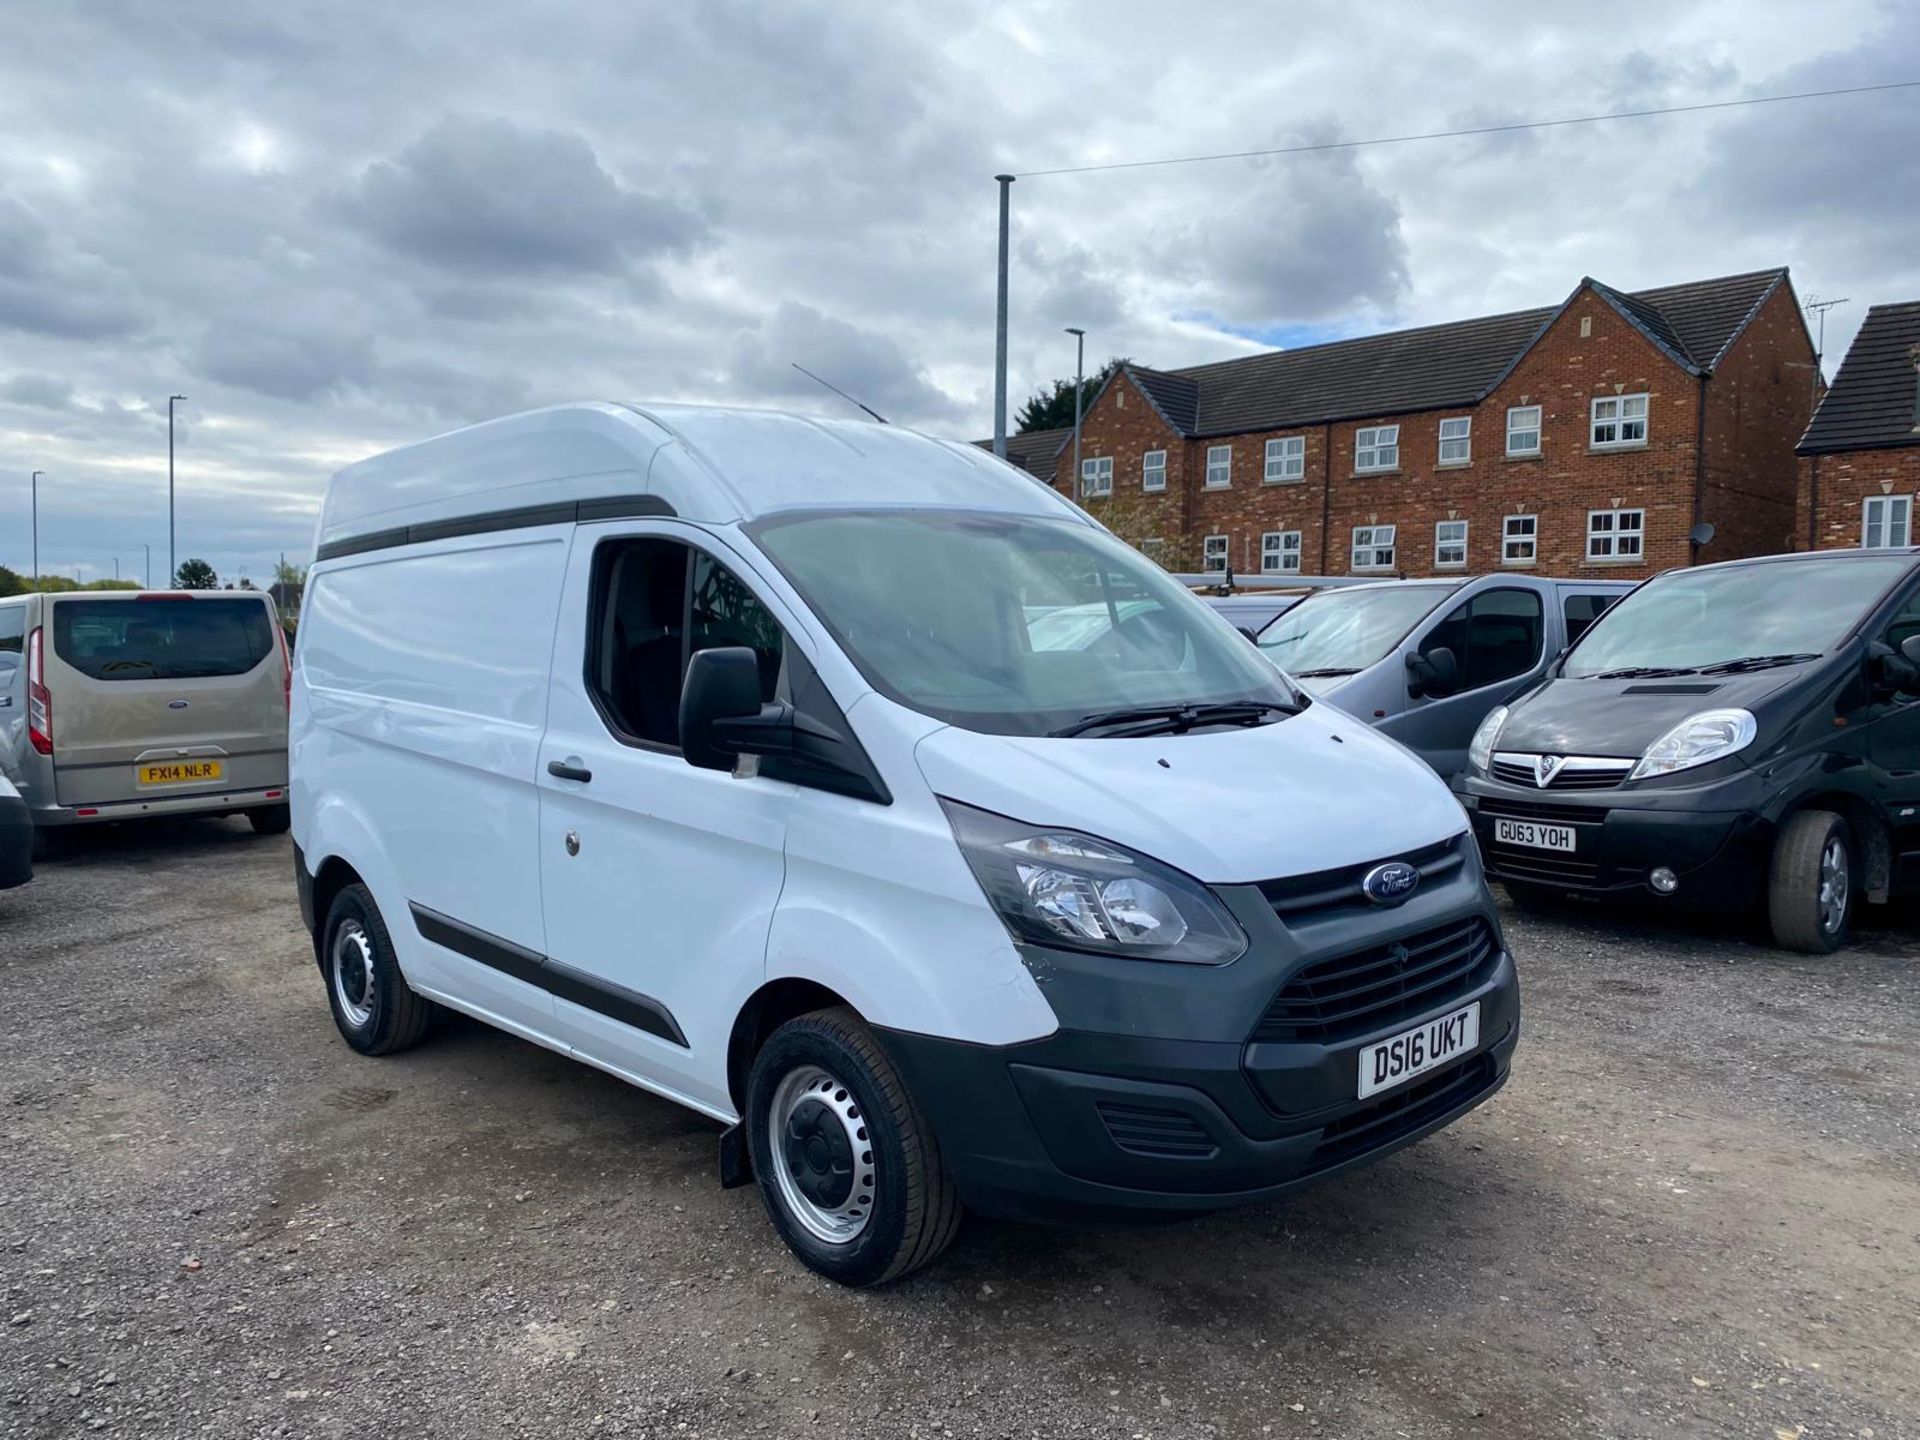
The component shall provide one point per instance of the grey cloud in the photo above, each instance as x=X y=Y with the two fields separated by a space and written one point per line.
x=50 y=288
x=869 y=367
x=486 y=196
x=43 y=392
x=289 y=361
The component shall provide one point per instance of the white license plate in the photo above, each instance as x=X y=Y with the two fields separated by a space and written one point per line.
x=1395 y=1061
x=1529 y=832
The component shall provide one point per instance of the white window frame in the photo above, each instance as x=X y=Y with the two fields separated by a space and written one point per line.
x=1208 y=554
x=1886 y=505
x=1612 y=417
x=1096 y=476
x=1606 y=542
x=1380 y=546
x=1278 y=547
x=1153 y=477
x=1219 y=461
x=1461 y=439
x=1286 y=460
x=1533 y=429
x=1441 y=544
x=1518 y=545
x=1152 y=548
x=1376 y=448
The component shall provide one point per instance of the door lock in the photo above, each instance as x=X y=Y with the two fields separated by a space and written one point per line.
x=573 y=842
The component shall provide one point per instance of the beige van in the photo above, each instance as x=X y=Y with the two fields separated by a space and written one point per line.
x=119 y=705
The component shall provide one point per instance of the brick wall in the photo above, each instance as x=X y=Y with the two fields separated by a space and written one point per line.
x=1759 y=401
x=1590 y=350
x=1845 y=479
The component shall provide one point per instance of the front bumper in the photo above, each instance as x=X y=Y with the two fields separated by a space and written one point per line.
x=16 y=842
x=1158 y=1094
x=1719 y=855
x=225 y=802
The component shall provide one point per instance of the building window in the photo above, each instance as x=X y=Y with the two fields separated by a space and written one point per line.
x=1286 y=459
x=1519 y=536
x=1373 y=547
x=1219 y=466
x=1214 y=554
x=1096 y=477
x=1615 y=534
x=1152 y=550
x=1153 y=470
x=1619 y=420
x=1456 y=440
x=1886 y=520
x=1450 y=545
x=1376 y=448
x=1523 y=430
x=1280 y=552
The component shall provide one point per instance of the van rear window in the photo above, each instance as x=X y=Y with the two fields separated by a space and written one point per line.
x=161 y=639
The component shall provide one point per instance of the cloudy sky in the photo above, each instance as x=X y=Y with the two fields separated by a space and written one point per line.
x=336 y=228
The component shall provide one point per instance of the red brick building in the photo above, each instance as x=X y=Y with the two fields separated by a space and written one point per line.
x=1860 y=458
x=1588 y=437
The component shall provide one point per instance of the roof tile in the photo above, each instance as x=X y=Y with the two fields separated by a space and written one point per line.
x=1873 y=401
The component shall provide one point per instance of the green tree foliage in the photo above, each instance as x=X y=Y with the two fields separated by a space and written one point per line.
x=195 y=575
x=12 y=583
x=1051 y=408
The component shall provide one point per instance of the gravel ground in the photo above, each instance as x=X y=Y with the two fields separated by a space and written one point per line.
x=1694 y=1211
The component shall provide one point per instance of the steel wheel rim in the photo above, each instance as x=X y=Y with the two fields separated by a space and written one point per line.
x=1835 y=884
x=351 y=962
x=822 y=1155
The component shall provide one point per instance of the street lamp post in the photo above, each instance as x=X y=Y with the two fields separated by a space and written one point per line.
x=35 y=482
x=1000 y=328
x=146 y=571
x=172 y=560
x=1079 y=387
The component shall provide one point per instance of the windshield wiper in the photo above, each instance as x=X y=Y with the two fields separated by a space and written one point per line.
x=1642 y=672
x=1173 y=719
x=1755 y=662
x=1324 y=671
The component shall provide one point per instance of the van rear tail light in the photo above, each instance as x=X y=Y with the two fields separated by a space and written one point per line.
x=39 y=703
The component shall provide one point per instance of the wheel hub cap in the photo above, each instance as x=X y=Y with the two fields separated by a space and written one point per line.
x=1834 y=884
x=823 y=1159
x=351 y=961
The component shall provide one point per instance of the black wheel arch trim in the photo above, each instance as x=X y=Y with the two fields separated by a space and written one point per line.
x=564 y=982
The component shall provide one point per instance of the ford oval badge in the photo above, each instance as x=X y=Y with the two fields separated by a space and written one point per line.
x=1390 y=883
x=176 y=704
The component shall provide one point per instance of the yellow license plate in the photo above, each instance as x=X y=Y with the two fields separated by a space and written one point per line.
x=183 y=772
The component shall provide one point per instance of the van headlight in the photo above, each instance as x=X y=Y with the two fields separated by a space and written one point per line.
x=1480 y=748
x=1697 y=740
x=1073 y=892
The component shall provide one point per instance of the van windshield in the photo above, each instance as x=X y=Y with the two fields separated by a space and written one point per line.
x=1014 y=625
x=1340 y=632
x=1690 y=620
x=166 y=639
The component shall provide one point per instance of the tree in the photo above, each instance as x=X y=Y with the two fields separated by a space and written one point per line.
x=1051 y=408
x=12 y=583
x=195 y=575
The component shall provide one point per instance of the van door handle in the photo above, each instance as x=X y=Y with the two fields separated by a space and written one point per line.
x=567 y=770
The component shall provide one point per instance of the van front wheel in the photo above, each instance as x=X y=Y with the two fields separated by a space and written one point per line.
x=1810 y=894
x=847 y=1165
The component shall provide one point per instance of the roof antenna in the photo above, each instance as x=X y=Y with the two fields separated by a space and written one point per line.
x=837 y=390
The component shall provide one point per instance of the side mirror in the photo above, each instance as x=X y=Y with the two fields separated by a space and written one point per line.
x=721 y=717
x=1894 y=672
x=1252 y=639
x=1434 y=672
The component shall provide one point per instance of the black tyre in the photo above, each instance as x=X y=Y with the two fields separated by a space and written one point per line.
x=51 y=843
x=376 y=1011
x=1810 y=892
x=847 y=1165
x=271 y=819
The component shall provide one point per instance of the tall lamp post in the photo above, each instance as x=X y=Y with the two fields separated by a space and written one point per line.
x=1079 y=389
x=172 y=561
x=35 y=482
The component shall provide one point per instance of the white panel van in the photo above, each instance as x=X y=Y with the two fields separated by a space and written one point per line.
x=732 y=753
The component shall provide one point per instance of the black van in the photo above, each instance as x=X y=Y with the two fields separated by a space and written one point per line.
x=1724 y=734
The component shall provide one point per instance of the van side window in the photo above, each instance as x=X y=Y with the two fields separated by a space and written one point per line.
x=1582 y=610
x=655 y=603
x=1494 y=636
x=13 y=634
x=1904 y=625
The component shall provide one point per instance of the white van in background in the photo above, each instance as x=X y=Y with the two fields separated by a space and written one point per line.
x=729 y=752
x=134 y=704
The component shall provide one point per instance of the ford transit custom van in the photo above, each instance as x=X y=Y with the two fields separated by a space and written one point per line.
x=745 y=756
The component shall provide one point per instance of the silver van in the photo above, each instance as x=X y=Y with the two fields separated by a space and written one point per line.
x=1425 y=660
x=121 y=704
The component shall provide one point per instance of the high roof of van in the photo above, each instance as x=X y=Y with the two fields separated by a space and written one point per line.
x=713 y=464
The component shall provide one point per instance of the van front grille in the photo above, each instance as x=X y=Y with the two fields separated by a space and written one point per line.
x=1351 y=995
x=1402 y=1112
x=1299 y=897
x=1157 y=1132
